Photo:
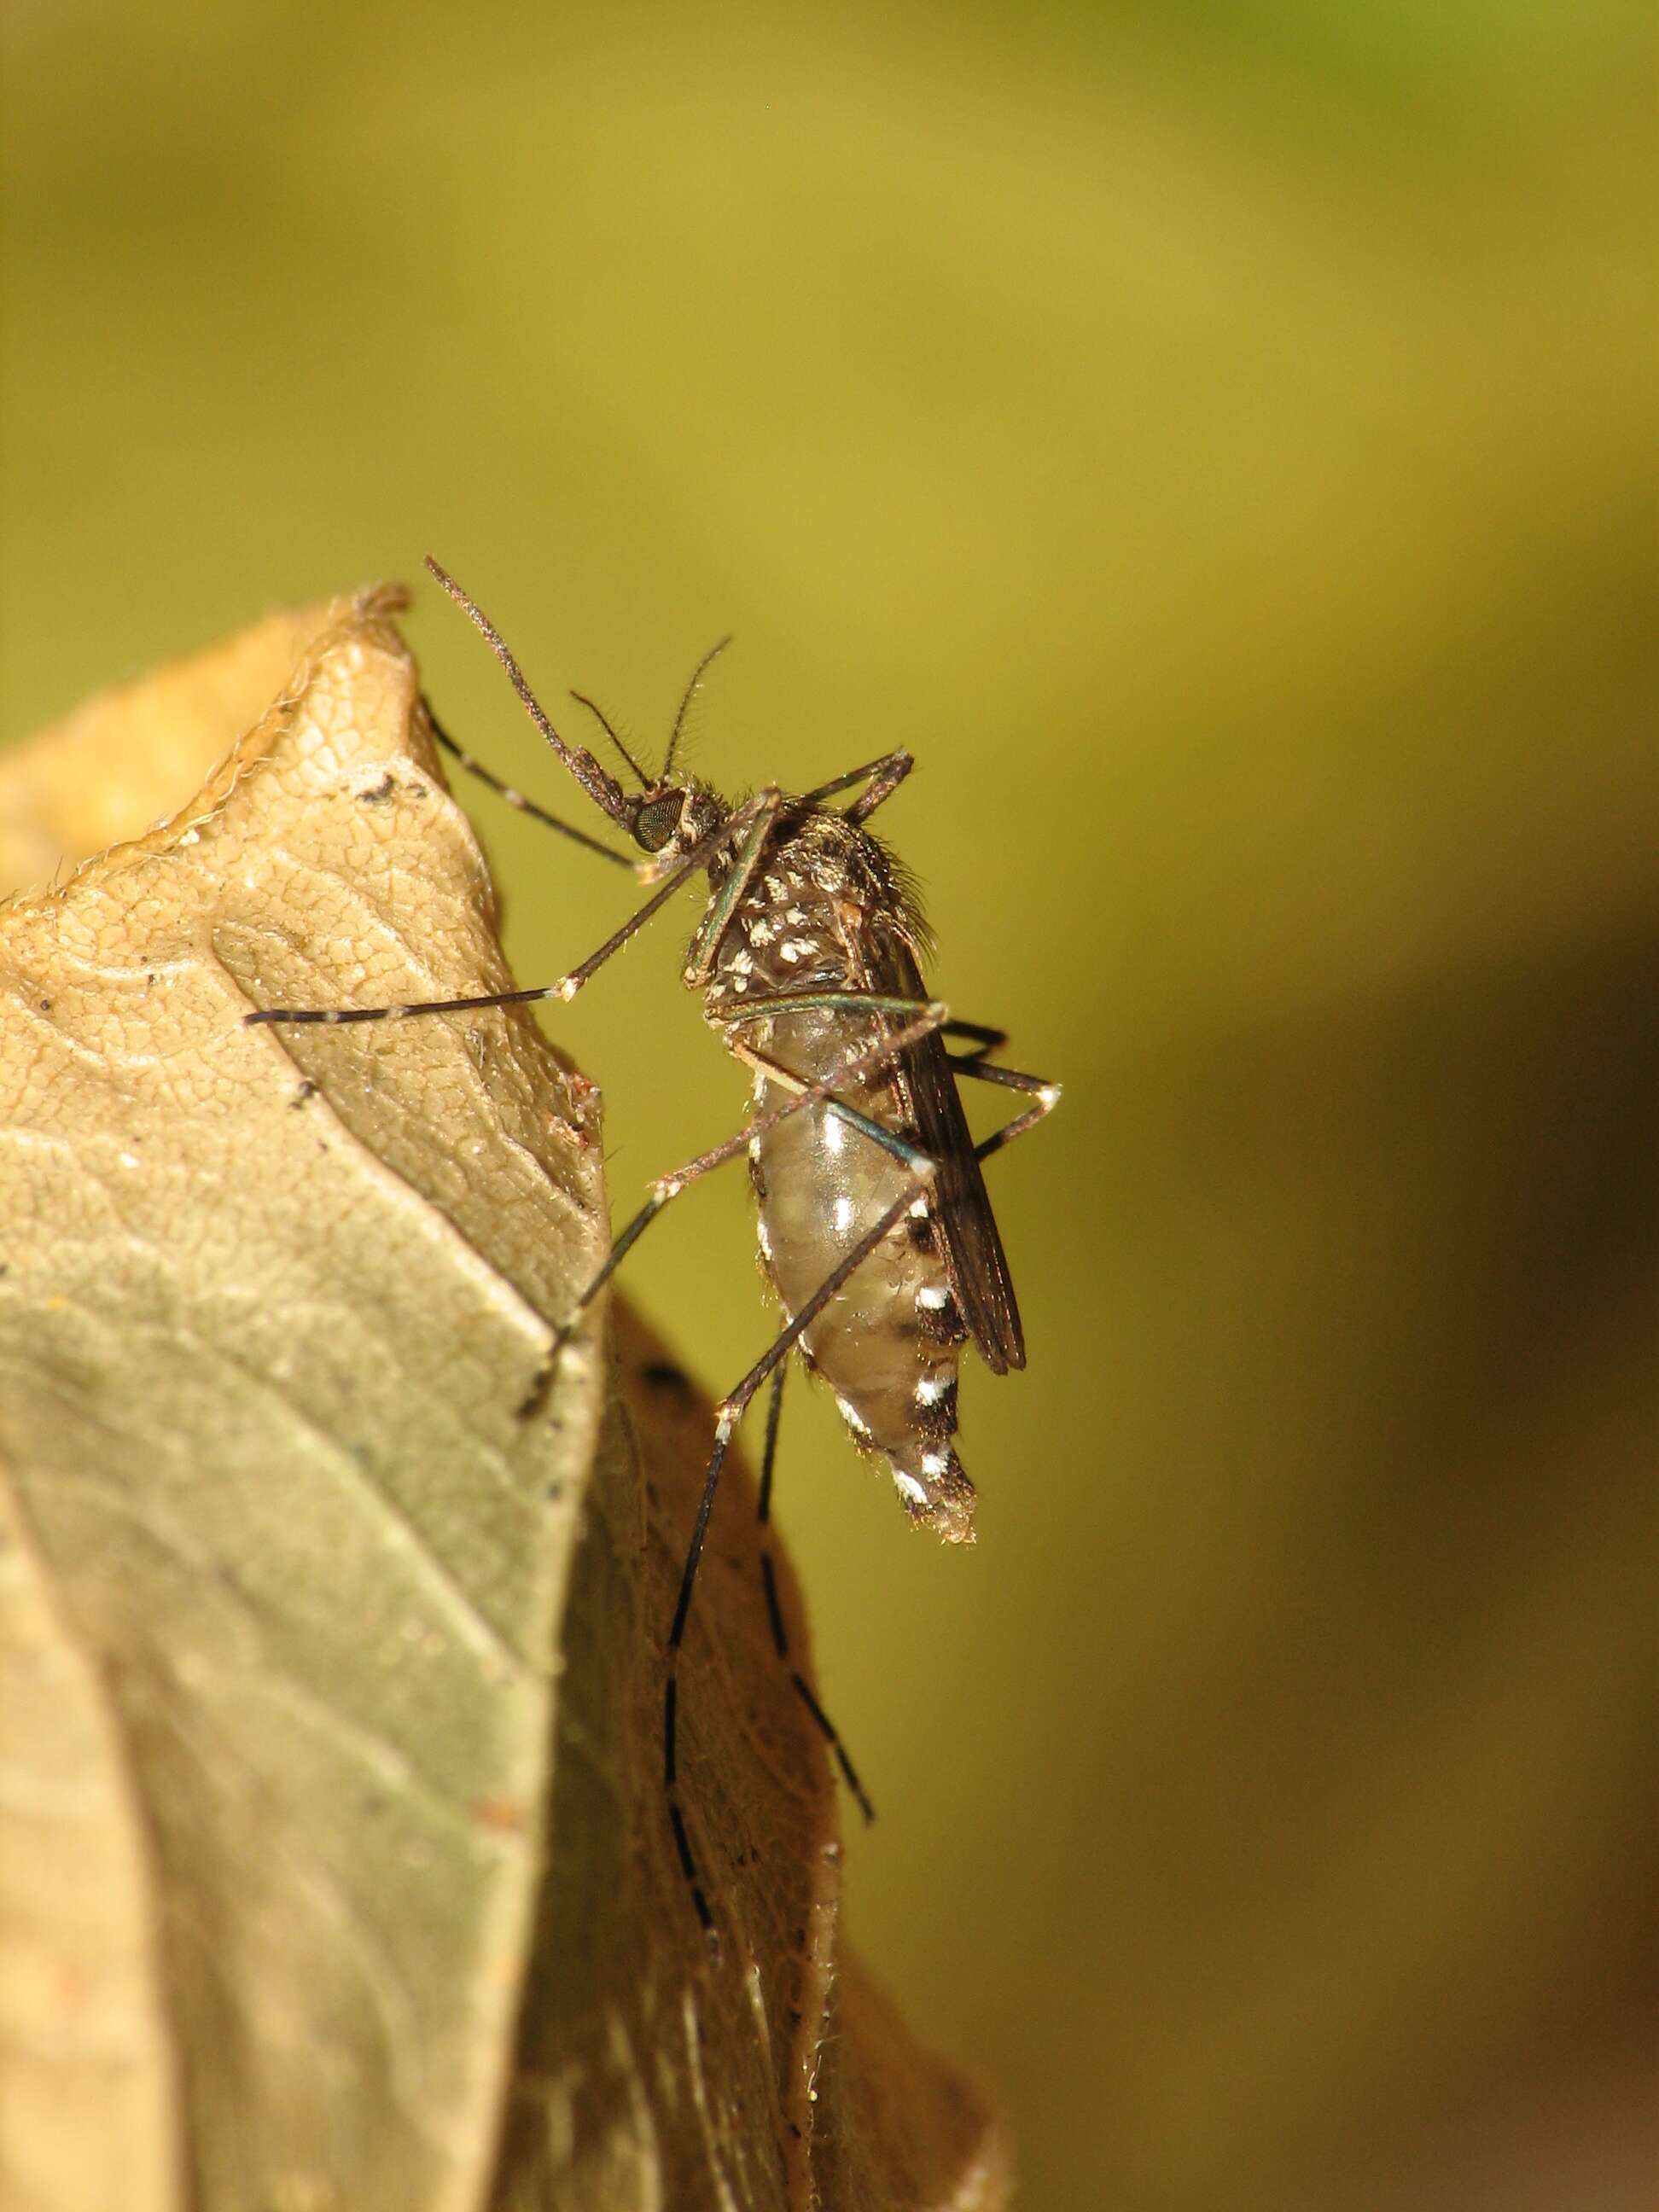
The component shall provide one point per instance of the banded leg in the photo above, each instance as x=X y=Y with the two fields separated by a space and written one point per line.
x=885 y=776
x=670 y=1187
x=975 y=1063
x=729 y=1413
x=978 y=1064
x=516 y=798
x=858 y=1002
x=699 y=968
x=1010 y=1078
x=774 y=1612
x=749 y=817
x=986 y=1040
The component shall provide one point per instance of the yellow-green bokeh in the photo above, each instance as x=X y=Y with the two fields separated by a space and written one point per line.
x=1217 y=439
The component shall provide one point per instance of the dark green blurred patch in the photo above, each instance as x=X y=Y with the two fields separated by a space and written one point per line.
x=1434 y=54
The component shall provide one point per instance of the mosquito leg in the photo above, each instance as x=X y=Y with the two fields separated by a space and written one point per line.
x=763 y=1501
x=671 y=1778
x=731 y=1409
x=885 y=776
x=1010 y=1078
x=333 y=1016
x=789 y=1002
x=864 y=1000
x=566 y=988
x=973 y=1063
x=737 y=826
x=985 y=1040
x=1018 y=1127
x=516 y=798
x=728 y=1413
x=787 y=1079
x=886 y=765
x=892 y=773
x=705 y=945
x=774 y=1611
x=668 y=1186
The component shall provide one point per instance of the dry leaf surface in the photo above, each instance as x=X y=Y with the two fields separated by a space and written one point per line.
x=333 y=1864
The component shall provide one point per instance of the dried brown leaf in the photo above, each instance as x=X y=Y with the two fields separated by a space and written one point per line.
x=333 y=1848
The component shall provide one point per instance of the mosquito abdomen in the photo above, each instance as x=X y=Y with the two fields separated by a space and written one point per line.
x=888 y=1341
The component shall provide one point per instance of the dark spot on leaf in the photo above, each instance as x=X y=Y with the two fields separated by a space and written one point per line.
x=307 y=1089
x=380 y=791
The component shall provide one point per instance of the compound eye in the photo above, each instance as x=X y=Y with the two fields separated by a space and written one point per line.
x=657 y=821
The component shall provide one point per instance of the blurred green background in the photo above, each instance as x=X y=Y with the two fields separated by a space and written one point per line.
x=1217 y=437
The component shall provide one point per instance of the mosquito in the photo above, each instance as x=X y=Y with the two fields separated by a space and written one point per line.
x=875 y=1228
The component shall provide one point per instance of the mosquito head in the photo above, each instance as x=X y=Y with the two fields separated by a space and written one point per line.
x=671 y=818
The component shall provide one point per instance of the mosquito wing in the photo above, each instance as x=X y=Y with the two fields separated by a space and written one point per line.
x=974 y=1257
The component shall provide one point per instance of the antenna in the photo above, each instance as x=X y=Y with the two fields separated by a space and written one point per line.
x=690 y=694
x=604 y=721
x=604 y=790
